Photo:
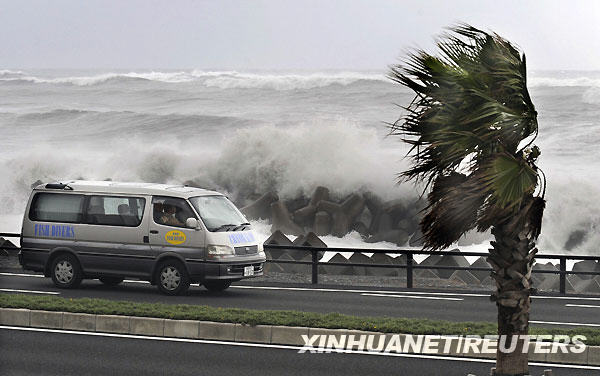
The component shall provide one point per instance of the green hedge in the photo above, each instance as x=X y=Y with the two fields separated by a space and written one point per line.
x=268 y=317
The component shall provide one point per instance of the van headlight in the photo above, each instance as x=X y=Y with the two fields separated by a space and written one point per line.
x=261 y=250
x=219 y=250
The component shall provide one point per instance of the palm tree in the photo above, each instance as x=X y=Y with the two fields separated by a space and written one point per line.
x=471 y=127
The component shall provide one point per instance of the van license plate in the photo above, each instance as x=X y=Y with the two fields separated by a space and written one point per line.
x=248 y=271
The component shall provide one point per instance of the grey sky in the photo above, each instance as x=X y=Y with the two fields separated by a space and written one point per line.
x=280 y=34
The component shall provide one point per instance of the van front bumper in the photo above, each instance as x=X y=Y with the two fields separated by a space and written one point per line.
x=232 y=271
x=225 y=270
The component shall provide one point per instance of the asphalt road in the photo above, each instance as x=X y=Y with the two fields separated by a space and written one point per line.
x=457 y=306
x=26 y=352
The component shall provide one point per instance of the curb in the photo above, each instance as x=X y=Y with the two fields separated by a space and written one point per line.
x=269 y=334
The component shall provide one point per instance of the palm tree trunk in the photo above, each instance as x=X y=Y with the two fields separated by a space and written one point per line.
x=511 y=259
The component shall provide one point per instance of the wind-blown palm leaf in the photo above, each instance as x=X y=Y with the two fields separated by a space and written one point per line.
x=471 y=113
x=510 y=179
x=449 y=213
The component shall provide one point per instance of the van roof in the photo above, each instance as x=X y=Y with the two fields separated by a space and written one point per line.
x=88 y=186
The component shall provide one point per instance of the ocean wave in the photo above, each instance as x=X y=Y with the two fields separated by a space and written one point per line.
x=289 y=81
x=591 y=96
x=8 y=74
x=9 y=71
x=563 y=82
x=101 y=78
x=216 y=79
x=249 y=159
x=125 y=121
x=293 y=160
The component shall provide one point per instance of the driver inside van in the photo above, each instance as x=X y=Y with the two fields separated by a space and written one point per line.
x=168 y=217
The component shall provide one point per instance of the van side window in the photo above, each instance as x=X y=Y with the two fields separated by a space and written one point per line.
x=115 y=211
x=171 y=211
x=56 y=207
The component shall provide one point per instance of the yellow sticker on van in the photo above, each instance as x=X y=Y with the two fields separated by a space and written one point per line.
x=175 y=237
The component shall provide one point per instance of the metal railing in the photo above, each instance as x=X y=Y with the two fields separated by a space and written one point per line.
x=410 y=265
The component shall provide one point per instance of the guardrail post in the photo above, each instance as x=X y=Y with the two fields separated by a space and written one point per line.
x=409 y=270
x=563 y=275
x=315 y=267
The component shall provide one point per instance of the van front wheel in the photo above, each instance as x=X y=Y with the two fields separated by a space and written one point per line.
x=66 y=272
x=172 y=278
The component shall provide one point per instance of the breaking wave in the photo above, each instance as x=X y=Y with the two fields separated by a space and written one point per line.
x=289 y=160
x=174 y=77
x=9 y=73
x=289 y=81
x=593 y=81
x=216 y=79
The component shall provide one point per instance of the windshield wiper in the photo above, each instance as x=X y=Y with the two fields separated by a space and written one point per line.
x=227 y=225
x=242 y=225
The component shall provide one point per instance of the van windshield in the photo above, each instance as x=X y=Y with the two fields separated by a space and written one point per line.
x=218 y=213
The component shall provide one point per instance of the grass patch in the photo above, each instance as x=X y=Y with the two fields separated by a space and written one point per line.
x=268 y=317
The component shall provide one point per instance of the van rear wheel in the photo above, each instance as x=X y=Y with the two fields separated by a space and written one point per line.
x=66 y=272
x=172 y=278
x=111 y=281
x=217 y=285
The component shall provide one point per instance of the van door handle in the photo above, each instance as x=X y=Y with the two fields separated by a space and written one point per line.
x=153 y=231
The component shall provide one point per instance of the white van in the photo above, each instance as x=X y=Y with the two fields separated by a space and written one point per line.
x=170 y=235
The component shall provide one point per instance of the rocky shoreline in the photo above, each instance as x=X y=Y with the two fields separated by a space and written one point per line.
x=394 y=221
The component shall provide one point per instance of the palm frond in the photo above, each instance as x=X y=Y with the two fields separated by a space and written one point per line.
x=470 y=113
x=509 y=179
x=454 y=201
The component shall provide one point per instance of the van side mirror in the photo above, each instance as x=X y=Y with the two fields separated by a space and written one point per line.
x=192 y=223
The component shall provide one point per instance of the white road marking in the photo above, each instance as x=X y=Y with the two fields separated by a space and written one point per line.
x=582 y=305
x=563 y=298
x=358 y=291
x=561 y=323
x=412 y=297
x=22 y=275
x=31 y=291
x=147 y=283
x=285 y=347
